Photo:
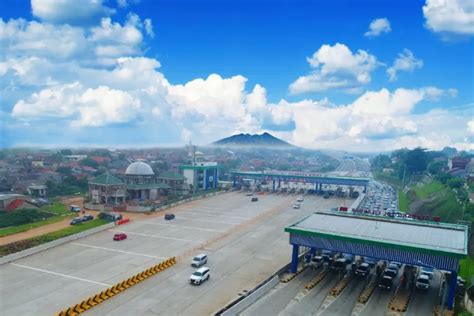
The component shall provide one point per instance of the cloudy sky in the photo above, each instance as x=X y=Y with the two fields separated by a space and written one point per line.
x=354 y=75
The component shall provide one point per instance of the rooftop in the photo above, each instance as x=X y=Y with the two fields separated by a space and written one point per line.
x=106 y=179
x=441 y=238
x=139 y=168
x=171 y=175
x=143 y=186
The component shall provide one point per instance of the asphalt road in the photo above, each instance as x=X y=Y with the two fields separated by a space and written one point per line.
x=245 y=242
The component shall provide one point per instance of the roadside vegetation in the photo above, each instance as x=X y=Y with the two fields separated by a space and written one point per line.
x=26 y=219
x=36 y=241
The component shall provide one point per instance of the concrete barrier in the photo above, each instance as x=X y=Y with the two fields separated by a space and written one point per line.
x=54 y=243
x=123 y=221
x=252 y=297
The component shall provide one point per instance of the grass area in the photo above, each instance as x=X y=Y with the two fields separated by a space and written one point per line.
x=25 y=227
x=466 y=269
x=427 y=189
x=56 y=208
x=59 y=210
x=402 y=201
x=32 y=242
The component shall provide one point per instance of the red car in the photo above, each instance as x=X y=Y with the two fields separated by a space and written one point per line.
x=120 y=236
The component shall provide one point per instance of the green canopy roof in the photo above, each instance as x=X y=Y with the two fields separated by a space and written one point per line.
x=106 y=179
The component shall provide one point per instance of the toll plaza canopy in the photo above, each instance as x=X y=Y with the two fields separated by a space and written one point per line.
x=436 y=245
x=306 y=177
x=439 y=245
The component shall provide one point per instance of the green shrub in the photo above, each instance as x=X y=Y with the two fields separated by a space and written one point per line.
x=20 y=217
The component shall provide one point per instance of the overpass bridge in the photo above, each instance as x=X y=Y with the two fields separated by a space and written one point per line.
x=301 y=177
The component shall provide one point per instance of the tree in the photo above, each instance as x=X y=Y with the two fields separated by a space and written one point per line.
x=65 y=152
x=443 y=177
x=455 y=183
x=66 y=171
x=416 y=160
x=436 y=167
x=380 y=161
x=89 y=162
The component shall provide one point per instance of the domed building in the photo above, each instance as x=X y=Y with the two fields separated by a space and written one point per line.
x=142 y=182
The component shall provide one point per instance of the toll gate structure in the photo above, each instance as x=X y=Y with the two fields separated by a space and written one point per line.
x=317 y=179
x=429 y=244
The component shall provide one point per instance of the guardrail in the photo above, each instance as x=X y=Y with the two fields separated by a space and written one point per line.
x=92 y=301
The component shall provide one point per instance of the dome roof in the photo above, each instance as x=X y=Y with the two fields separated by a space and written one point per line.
x=139 y=168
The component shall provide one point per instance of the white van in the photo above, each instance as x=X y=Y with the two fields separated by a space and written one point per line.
x=74 y=208
x=199 y=260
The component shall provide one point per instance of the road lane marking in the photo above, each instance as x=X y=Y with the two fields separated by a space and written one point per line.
x=116 y=250
x=60 y=274
x=189 y=227
x=154 y=236
x=204 y=220
x=216 y=214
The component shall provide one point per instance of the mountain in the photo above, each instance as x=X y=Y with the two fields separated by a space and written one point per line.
x=247 y=140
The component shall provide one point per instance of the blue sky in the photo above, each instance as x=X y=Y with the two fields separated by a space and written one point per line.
x=315 y=73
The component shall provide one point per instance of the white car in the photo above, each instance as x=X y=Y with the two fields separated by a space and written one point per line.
x=199 y=260
x=199 y=276
x=300 y=199
x=297 y=206
x=423 y=282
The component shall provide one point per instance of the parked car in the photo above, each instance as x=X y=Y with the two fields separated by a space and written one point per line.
x=249 y=194
x=300 y=199
x=76 y=221
x=169 y=216
x=254 y=199
x=120 y=236
x=87 y=217
x=363 y=269
x=110 y=216
x=199 y=260
x=386 y=282
x=199 y=276
x=74 y=208
x=423 y=282
x=296 y=206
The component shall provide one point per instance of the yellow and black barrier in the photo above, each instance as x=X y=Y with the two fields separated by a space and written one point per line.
x=92 y=301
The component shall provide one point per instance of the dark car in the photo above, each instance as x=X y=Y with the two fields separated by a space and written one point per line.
x=254 y=199
x=87 y=217
x=76 y=221
x=169 y=216
x=386 y=282
x=363 y=269
x=390 y=272
x=120 y=236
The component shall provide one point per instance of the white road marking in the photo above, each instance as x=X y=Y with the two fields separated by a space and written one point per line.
x=116 y=250
x=154 y=236
x=204 y=220
x=216 y=214
x=189 y=227
x=59 y=274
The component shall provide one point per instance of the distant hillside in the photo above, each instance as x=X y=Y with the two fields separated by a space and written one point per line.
x=247 y=140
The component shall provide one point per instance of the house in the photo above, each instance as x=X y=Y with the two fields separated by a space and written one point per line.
x=13 y=202
x=458 y=163
x=37 y=190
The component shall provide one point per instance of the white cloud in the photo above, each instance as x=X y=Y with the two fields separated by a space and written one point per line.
x=405 y=61
x=470 y=126
x=149 y=28
x=377 y=120
x=336 y=67
x=378 y=27
x=71 y=12
x=84 y=107
x=450 y=17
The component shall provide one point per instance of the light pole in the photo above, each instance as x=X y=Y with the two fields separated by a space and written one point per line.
x=443 y=285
